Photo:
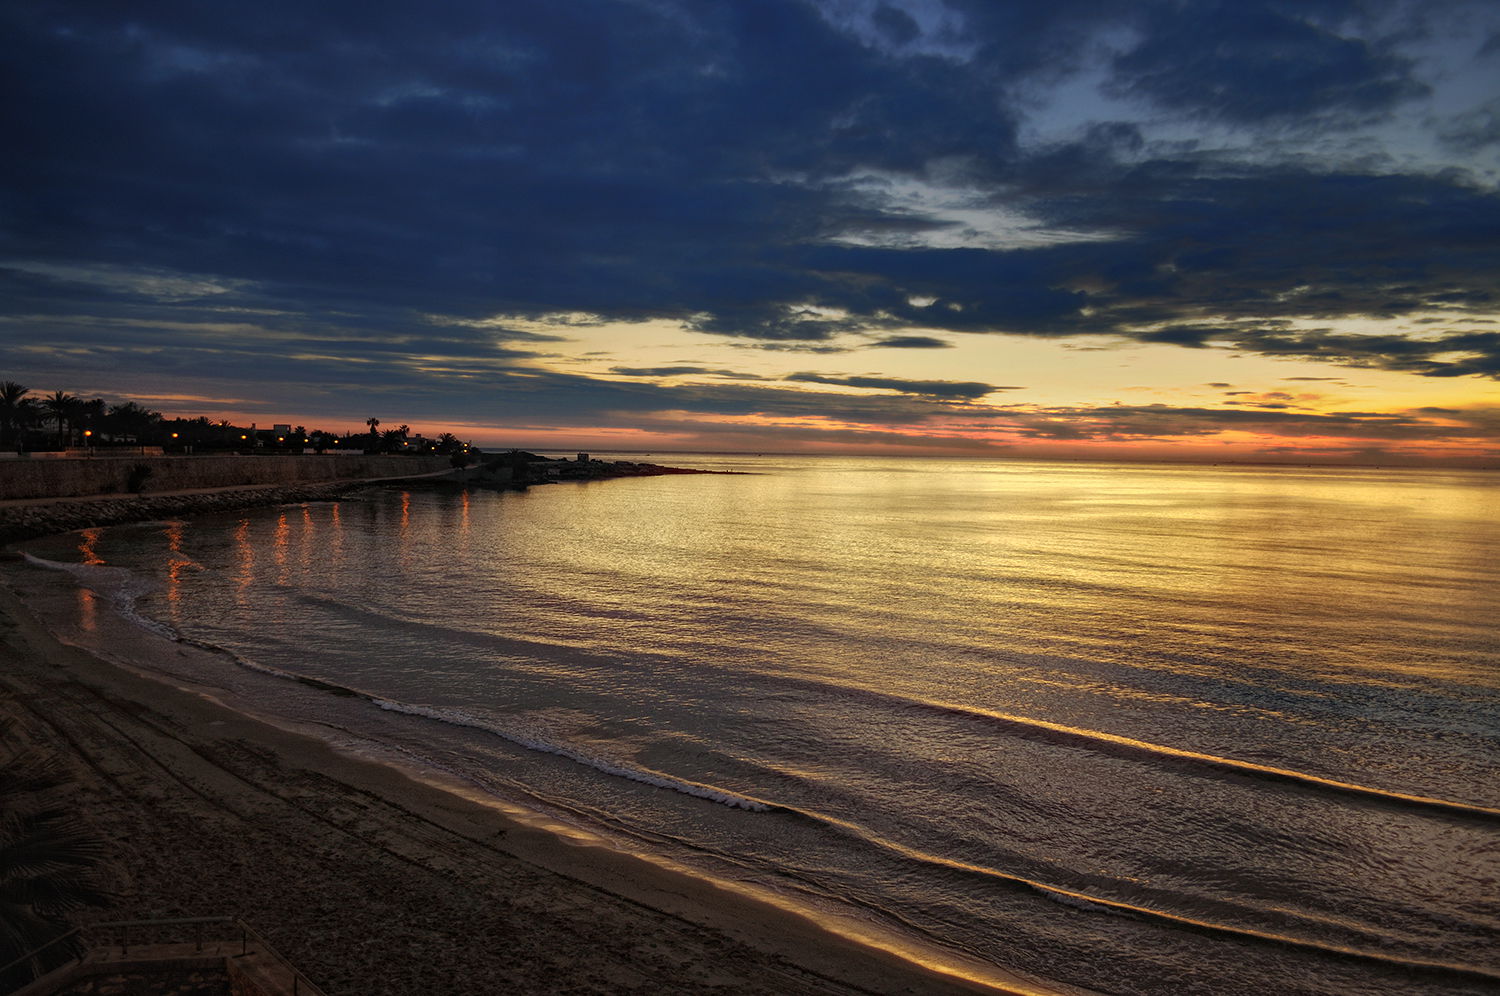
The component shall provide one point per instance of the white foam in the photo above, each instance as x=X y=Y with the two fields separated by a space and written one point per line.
x=123 y=588
x=1077 y=902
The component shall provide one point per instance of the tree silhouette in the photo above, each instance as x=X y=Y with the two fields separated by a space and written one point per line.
x=13 y=402
x=131 y=419
x=90 y=414
x=62 y=406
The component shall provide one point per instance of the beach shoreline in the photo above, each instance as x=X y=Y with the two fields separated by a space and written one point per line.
x=374 y=881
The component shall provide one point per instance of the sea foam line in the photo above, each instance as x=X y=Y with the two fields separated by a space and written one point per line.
x=1099 y=904
x=1046 y=730
x=116 y=582
x=121 y=586
x=1039 y=728
x=1233 y=764
x=456 y=717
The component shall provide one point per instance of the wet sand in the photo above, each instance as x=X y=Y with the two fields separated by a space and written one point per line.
x=374 y=882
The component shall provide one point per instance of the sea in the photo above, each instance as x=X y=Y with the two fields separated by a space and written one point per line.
x=1115 y=728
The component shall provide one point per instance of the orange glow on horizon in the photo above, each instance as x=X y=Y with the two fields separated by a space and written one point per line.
x=1018 y=432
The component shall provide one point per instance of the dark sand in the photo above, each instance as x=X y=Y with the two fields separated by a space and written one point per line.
x=373 y=882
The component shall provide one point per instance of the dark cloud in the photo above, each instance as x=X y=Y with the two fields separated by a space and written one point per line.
x=1178 y=335
x=911 y=342
x=896 y=24
x=289 y=193
x=1253 y=63
x=1453 y=355
x=1474 y=129
x=928 y=388
x=796 y=347
x=1124 y=422
x=773 y=322
x=680 y=370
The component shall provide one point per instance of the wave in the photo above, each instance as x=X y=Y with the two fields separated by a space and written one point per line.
x=529 y=740
x=124 y=588
x=121 y=586
x=648 y=776
x=1098 y=738
x=1091 y=903
x=1018 y=725
x=1070 y=899
x=1047 y=731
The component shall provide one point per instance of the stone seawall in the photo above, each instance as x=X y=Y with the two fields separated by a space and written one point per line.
x=21 y=522
x=67 y=478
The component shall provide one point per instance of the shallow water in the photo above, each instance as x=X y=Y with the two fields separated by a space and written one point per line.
x=1143 y=729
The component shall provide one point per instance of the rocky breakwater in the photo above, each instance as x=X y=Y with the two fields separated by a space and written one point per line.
x=22 y=521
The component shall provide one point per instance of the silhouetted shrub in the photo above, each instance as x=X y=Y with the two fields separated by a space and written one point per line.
x=136 y=482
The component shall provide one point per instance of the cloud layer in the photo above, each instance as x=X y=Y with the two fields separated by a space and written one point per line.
x=288 y=193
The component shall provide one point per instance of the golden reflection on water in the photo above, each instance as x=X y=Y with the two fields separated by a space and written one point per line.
x=404 y=544
x=309 y=531
x=175 y=563
x=283 y=532
x=336 y=524
x=88 y=542
x=245 y=558
x=86 y=610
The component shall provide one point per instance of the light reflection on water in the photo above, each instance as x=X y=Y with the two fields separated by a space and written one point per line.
x=954 y=672
x=88 y=542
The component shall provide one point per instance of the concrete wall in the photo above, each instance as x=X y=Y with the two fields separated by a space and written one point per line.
x=27 y=478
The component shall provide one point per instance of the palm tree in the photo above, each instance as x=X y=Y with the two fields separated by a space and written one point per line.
x=373 y=423
x=28 y=414
x=90 y=414
x=133 y=420
x=61 y=406
x=50 y=864
x=12 y=400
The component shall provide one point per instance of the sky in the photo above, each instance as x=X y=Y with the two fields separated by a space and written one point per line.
x=1162 y=230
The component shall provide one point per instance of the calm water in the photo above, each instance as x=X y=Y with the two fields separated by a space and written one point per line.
x=1140 y=729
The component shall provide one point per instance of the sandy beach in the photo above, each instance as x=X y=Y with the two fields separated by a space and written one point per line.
x=373 y=882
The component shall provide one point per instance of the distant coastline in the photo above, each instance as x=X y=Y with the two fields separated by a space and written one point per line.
x=42 y=515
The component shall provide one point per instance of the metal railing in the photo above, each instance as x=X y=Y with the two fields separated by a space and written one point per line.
x=117 y=933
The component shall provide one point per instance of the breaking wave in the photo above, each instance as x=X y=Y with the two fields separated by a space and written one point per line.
x=123 y=589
